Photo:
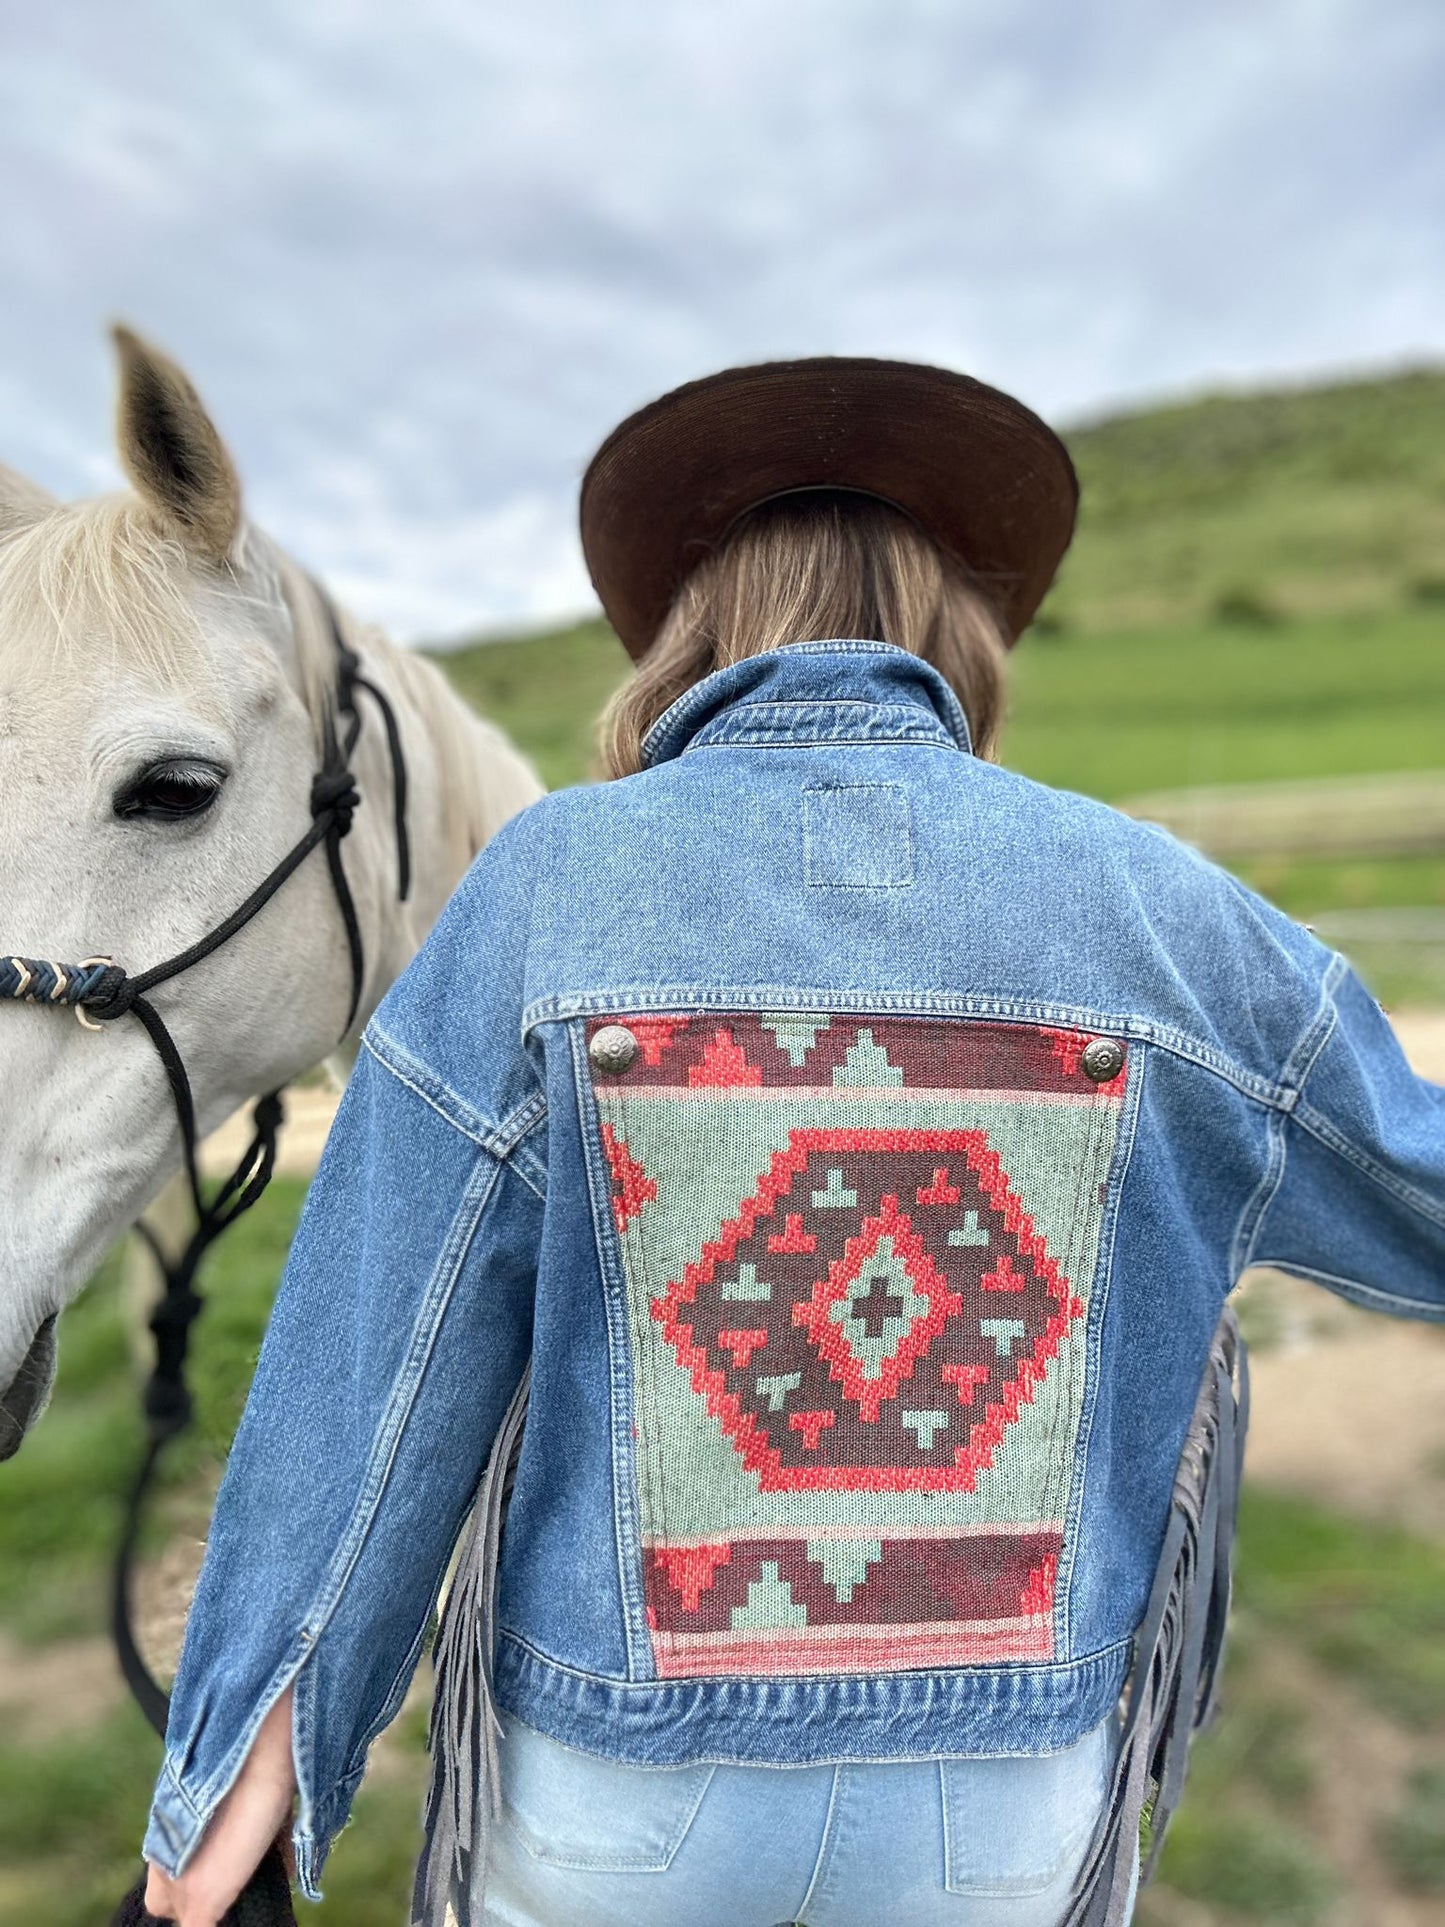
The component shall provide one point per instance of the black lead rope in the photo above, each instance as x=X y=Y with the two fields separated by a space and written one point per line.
x=101 y=991
x=167 y=1397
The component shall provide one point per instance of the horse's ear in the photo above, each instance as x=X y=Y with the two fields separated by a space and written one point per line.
x=21 y=501
x=171 y=451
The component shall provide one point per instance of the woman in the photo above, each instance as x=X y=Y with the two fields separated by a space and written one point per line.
x=861 y=1142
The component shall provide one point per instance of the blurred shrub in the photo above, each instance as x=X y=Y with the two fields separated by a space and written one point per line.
x=1050 y=624
x=1245 y=609
x=1414 y=1840
x=1258 y=1868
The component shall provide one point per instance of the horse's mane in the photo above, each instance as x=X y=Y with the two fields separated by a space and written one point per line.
x=487 y=779
x=481 y=767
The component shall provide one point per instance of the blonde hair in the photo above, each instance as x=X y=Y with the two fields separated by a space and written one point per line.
x=818 y=566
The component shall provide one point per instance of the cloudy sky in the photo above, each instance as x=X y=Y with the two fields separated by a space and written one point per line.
x=420 y=258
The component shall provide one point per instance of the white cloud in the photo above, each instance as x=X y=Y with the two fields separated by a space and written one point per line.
x=419 y=262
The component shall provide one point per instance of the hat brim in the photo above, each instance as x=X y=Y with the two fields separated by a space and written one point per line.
x=981 y=474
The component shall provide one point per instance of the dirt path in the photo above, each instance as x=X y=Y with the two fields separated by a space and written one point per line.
x=1332 y=1359
x=309 y=1111
x=1422 y=1033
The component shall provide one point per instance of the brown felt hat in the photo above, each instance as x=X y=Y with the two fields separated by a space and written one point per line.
x=980 y=473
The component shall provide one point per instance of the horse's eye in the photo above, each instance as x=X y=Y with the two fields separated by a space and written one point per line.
x=181 y=786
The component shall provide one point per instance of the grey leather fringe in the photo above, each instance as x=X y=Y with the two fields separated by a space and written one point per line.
x=1175 y=1678
x=464 y=1791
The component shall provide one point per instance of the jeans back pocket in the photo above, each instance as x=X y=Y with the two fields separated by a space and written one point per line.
x=575 y=1810
x=1018 y=1826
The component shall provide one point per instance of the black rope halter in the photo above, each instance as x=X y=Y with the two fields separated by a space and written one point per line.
x=101 y=991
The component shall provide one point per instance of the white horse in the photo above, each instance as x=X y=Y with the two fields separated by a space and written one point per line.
x=164 y=678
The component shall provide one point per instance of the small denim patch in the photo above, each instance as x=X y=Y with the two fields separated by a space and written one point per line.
x=858 y=836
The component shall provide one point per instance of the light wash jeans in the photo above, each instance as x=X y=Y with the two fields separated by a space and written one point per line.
x=584 y=1842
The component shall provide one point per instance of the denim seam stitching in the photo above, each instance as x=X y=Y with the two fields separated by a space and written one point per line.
x=356 y=1762
x=787 y=707
x=169 y=1772
x=1070 y=1254
x=947 y=1828
x=646 y=1479
x=1256 y=1206
x=1370 y=1296
x=423 y=1082
x=387 y=1440
x=207 y=1797
x=501 y=1140
x=303 y=1743
x=186 y=1827
x=1103 y=1271
x=544 y=872
x=838 y=741
x=611 y=1864
x=563 y=1006
x=697 y=699
x=1021 y=1887
x=1321 y=1129
x=694 y=699
x=826 y=1845
x=510 y=1145
x=1295 y=1071
x=829 y=720
x=621 y=1390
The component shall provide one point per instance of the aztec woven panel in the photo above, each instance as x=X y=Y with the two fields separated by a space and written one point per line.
x=858 y=1254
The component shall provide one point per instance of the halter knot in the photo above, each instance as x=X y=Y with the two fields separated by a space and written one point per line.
x=167 y=1406
x=334 y=793
x=110 y=994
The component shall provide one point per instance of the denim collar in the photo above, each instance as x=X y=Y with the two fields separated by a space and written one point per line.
x=813 y=692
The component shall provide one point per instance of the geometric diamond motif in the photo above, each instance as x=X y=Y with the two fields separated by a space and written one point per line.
x=874 y=1362
x=878 y=1309
x=866 y=1315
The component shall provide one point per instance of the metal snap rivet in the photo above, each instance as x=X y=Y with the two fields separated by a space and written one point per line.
x=612 y=1049
x=1103 y=1059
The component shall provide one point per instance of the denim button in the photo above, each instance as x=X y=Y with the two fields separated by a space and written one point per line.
x=1102 y=1060
x=612 y=1049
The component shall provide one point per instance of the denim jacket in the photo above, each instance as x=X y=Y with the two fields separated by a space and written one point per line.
x=861 y=1140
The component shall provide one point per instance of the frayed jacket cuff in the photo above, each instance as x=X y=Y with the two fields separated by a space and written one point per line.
x=175 y=1827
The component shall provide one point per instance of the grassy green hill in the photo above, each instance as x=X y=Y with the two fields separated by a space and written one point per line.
x=1304 y=501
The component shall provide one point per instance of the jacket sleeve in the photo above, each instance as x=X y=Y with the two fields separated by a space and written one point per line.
x=401 y=1328
x=1359 y=1165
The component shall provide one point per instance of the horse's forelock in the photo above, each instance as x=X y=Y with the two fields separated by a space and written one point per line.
x=99 y=578
x=100 y=582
